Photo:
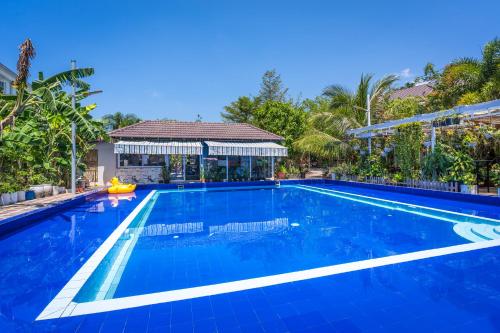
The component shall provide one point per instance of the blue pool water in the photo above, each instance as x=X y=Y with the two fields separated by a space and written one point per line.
x=201 y=237
x=198 y=238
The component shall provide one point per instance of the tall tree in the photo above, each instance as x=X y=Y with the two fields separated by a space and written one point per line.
x=119 y=120
x=241 y=110
x=271 y=88
x=325 y=136
x=430 y=72
x=353 y=105
x=282 y=118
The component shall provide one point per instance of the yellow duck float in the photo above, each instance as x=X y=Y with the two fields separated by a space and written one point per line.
x=117 y=187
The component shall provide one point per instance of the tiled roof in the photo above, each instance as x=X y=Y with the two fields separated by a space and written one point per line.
x=6 y=71
x=167 y=129
x=421 y=90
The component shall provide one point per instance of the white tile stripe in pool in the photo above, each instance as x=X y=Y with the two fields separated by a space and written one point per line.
x=62 y=304
x=266 y=281
x=348 y=196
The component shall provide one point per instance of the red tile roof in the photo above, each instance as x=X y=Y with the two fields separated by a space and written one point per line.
x=167 y=129
x=421 y=90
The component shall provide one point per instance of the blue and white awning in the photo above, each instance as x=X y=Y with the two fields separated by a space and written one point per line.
x=246 y=149
x=159 y=148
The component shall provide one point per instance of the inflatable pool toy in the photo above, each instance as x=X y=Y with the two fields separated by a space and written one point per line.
x=118 y=188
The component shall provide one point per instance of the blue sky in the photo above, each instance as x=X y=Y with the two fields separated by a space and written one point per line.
x=177 y=59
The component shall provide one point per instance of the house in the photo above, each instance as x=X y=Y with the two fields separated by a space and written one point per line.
x=6 y=78
x=154 y=151
x=418 y=90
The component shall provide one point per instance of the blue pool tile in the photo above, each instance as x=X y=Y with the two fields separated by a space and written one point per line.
x=205 y=326
x=252 y=327
x=159 y=329
x=159 y=319
x=345 y=326
x=246 y=316
x=274 y=326
x=185 y=327
x=92 y=323
x=285 y=310
x=266 y=314
x=226 y=321
x=181 y=312
x=295 y=323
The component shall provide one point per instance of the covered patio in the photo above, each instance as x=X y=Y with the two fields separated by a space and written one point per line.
x=168 y=151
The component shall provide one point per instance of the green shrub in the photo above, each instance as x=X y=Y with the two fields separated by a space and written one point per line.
x=495 y=174
x=408 y=142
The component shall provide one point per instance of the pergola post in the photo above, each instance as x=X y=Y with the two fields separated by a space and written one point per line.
x=250 y=167
x=272 y=167
x=433 y=138
x=184 y=167
x=202 y=167
x=368 y=116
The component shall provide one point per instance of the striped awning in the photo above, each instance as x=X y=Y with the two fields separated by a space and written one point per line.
x=159 y=148
x=246 y=148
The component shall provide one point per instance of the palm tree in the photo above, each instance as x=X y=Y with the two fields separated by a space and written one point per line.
x=43 y=93
x=345 y=110
x=119 y=120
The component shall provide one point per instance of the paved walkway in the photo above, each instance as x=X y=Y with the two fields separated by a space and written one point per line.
x=29 y=205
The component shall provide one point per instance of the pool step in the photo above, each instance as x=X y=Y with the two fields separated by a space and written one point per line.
x=180 y=187
x=477 y=232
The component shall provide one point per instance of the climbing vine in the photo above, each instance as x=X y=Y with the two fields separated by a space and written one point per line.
x=408 y=140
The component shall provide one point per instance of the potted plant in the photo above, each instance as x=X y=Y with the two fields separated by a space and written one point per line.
x=165 y=174
x=461 y=170
x=5 y=197
x=467 y=184
x=202 y=175
x=282 y=172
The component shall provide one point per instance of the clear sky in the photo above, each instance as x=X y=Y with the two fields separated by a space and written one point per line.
x=177 y=59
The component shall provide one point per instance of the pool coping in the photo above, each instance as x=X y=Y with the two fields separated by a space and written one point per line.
x=63 y=302
x=457 y=196
x=11 y=224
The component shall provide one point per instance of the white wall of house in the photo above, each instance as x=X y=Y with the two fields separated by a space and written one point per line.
x=6 y=79
x=106 y=162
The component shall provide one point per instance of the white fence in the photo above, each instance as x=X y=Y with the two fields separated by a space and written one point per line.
x=423 y=184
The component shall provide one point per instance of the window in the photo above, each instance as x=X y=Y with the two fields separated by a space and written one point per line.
x=154 y=160
x=134 y=160
x=2 y=87
x=127 y=160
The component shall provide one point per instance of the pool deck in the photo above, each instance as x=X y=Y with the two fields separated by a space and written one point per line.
x=30 y=205
x=22 y=213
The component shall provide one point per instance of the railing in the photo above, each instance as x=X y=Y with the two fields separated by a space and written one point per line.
x=424 y=184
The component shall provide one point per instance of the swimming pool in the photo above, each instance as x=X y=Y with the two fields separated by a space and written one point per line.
x=185 y=244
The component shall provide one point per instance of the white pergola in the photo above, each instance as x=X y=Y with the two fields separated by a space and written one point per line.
x=487 y=112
